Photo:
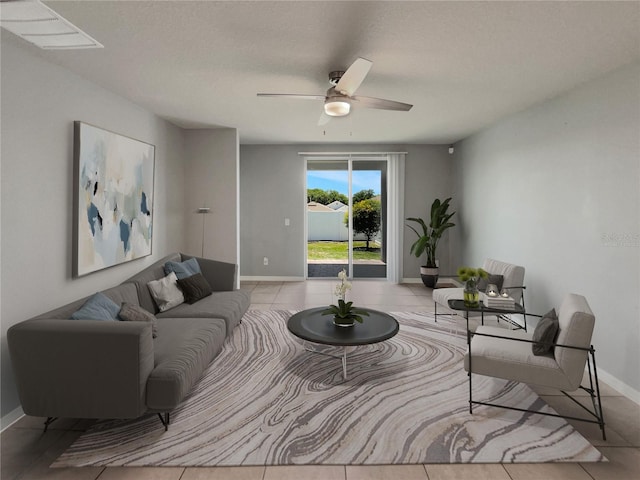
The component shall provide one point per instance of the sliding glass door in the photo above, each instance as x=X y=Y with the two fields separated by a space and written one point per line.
x=346 y=211
x=368 y=225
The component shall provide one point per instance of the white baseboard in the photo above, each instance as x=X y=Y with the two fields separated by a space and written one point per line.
x=411 y=280
x=245 y=278
x=626 y=390
x=11 y=418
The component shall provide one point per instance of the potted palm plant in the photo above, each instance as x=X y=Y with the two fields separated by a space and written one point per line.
x=427 y=241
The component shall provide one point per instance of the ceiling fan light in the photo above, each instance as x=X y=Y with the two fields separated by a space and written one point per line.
x=337 y=108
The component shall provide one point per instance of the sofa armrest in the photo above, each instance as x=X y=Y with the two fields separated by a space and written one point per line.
x=220 y=275
x=81 y=368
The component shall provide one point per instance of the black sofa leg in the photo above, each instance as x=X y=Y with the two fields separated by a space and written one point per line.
x=166 y=419
x=48 y=422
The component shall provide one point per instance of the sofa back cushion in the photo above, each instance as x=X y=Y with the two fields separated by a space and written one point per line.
x=513 y=275
x=576 y=322
x=155 y=271
x=121 y=293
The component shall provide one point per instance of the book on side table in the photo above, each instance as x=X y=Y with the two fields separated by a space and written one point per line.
x=499 y=302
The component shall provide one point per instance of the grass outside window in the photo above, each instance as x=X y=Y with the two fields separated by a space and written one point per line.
x=340 y=251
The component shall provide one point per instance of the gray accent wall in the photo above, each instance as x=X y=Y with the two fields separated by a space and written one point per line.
x=272 y=179
x=271 y=189
x=39 y=103
x=556 y=188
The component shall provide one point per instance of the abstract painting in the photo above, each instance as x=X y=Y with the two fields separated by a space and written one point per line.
x=113 y=198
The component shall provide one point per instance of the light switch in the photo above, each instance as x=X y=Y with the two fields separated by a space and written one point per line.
x=287 y=222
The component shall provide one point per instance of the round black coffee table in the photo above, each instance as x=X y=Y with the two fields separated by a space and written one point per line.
x=311 y=326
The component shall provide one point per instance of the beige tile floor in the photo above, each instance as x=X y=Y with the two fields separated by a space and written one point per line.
x=27 y=452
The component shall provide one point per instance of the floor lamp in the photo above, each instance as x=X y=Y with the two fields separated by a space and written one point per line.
x=203 y=211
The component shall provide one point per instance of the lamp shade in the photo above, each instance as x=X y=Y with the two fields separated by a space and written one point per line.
x=337 y=108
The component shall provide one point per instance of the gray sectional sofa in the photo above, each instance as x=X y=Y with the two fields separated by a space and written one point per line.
x=117 y=369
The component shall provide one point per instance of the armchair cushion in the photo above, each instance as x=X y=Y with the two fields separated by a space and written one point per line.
x=513 y=276
x=545 y=333
x=576 y=323
x=513 y=360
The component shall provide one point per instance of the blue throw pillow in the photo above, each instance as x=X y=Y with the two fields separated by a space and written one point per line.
x=182 y=269
x=97 y=307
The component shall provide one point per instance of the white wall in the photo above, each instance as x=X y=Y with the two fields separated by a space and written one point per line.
x=40 y=101
x=212 y=178
x=556 y=188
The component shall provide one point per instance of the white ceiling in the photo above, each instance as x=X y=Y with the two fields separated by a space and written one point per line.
x=463 y=65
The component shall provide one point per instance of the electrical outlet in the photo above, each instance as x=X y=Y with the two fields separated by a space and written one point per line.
x=265 y=261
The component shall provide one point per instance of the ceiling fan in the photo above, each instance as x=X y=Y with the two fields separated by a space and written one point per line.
x=340 y=97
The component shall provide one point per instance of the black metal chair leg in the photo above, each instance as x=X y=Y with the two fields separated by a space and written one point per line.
x=599 y=409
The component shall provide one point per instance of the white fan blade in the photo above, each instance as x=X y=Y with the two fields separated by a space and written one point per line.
x=381 y=103
x=293 y=95
x=324 y=119
x=354 y=76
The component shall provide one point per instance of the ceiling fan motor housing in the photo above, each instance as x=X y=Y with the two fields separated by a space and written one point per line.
x=334 y=77
x=336 y=104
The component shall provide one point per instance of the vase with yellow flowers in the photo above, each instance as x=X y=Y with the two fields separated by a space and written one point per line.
x=470 y=277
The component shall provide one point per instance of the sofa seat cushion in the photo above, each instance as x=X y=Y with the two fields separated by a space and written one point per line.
x=502 y=358
x=229 y=306
x=183 y=350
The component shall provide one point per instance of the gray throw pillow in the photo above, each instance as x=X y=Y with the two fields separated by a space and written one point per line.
x=545 y=333
x=97 y=307
x=497 y=280
x=130 y=312
x=194 y=288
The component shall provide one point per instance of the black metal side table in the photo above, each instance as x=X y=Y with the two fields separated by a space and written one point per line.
x=457 y=304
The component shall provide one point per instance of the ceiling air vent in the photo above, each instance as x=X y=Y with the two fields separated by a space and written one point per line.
x=38 y=24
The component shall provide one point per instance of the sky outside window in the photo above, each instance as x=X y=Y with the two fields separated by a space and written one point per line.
x=339 y=180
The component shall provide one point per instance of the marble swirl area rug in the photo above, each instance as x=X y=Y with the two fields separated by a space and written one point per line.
x=265 y=400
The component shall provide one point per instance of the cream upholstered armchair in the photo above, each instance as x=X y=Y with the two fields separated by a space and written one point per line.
x=512 y=280
x=508 y=354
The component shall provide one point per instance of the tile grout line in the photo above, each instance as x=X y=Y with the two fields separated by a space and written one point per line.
x=585 y=470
